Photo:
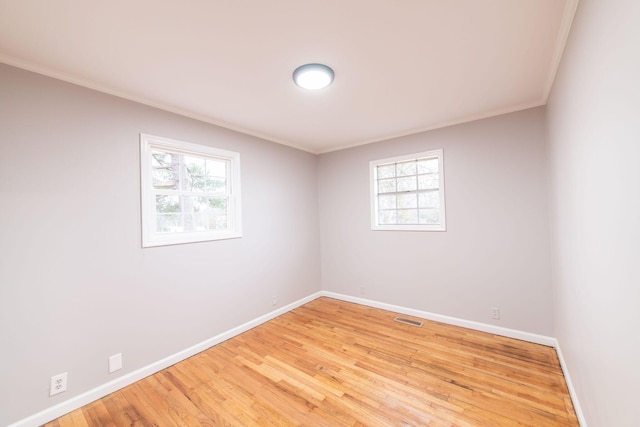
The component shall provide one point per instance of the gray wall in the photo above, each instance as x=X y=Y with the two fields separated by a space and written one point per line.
x=495 y=252
x=594 y=137
x=76 y=287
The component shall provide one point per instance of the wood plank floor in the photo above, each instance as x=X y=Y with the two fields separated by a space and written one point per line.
x=332 y=363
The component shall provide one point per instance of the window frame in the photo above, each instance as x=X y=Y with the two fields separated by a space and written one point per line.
x=373 y=184
x=150 y=237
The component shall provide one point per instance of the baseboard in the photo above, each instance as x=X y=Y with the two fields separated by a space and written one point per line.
x=572 y=390
x=492 y=329
x=496 y=330
x=76 y=402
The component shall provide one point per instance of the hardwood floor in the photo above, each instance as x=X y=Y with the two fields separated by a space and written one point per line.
x=332 y=363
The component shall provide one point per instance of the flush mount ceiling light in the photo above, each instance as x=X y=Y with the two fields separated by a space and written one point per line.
x=313 y=76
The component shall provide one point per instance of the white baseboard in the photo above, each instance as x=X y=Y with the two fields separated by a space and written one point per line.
x=496 y=330
x=572 y=390
x=76 y=402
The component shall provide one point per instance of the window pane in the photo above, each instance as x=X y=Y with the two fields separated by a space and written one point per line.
x=429 y=216
x=164 y=179
x=168 y=214
x=387 y=171
x=160 y=159
x=406 y=168
x=194 y=164
x=407 y=184
x=387 y=217
x=407 y=200
x=216 y=184
x=210 y=213
x=168 y=204
x=428 y=166
x=427 y=182
x=407 y=216
x=429 y=199
x=216 y=168
x=162 y=174
x=175 y=214
x=194 y=173
x=169 y=223
x=216 y=178
x=387 y=201
x=387 y=186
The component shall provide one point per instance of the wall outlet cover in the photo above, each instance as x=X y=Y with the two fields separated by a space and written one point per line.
x=58 y=384
x=115 y=362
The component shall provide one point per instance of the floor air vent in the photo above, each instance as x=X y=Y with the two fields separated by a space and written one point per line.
x=408 y=321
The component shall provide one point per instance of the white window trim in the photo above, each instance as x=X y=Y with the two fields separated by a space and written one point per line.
x=150 y=237
x=373 y=180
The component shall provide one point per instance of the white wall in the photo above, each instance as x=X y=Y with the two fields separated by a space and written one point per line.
x=594 y=137
x=76 y=287
x=495 y=252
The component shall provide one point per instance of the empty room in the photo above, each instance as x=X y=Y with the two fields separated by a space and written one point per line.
x=303 y=213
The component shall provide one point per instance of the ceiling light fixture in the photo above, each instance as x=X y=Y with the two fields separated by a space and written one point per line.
x=313 y=76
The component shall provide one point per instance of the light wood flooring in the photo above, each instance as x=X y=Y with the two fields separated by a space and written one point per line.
x=332 y=363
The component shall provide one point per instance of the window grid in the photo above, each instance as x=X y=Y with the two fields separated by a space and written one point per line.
x=418 y=208
x=205 y=216
x=190 y=193
x=408 y=192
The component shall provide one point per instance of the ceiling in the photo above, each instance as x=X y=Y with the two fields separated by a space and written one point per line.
x=401 y=67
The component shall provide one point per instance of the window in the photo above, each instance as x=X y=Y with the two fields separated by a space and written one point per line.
x=407 y=192
x=190 y=193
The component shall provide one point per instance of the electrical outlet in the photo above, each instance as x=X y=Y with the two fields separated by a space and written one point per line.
x=115 y=363
x=362 y=289
x=274 y=300
x=495 y=313
x=58 y=384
